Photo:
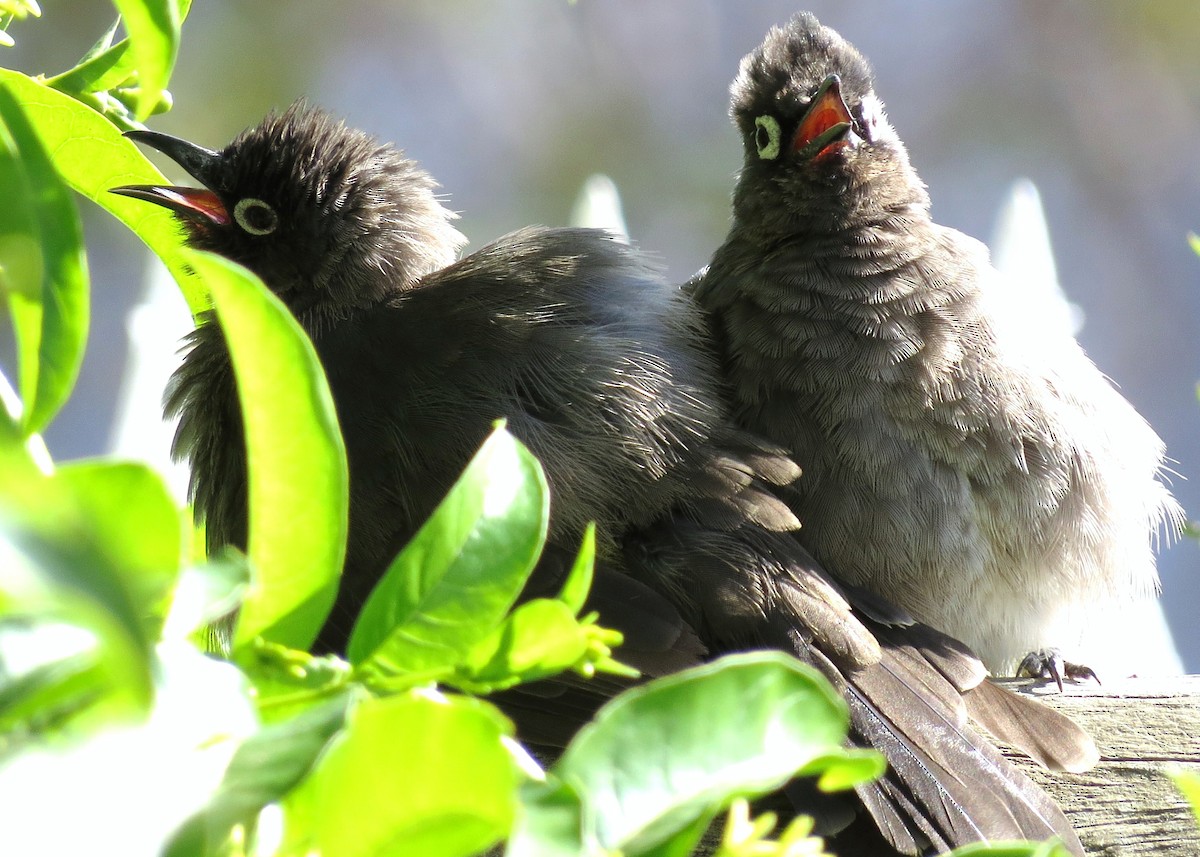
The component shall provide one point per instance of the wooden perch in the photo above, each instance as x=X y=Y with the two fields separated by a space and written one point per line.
x=1127 y=805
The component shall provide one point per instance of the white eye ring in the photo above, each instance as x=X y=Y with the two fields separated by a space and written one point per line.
x=255 y=216
x=766 y=137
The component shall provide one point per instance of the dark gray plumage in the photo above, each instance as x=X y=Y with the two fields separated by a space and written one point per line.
x=599 y=367
x=961 y=459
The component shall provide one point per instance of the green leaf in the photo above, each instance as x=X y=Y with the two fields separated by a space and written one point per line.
x=575 y=589
x=92 y=157
x=845 y=769
x=63 y=673
x=744 y=836
x=662 y=756
x=298 y=484
x=49 y=308
x=462 y=571
x=417 y=773
x=684 y=842
x=540 y=638
x=101 y=70
x=550 y=822
x=153 y=27
x=135 y=523
x=264 y=769
x=1188 y=783
x=287 y=681
x=105 y=533
x=72 y=645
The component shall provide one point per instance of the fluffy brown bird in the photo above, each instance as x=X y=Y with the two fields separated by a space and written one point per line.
x=995 y=486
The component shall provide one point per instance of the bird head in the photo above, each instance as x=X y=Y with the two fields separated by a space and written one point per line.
x=817 y=142
x=326 y=216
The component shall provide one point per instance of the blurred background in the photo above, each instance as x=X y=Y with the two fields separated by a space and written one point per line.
x=511 y=104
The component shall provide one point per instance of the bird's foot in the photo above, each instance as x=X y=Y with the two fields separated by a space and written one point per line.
x=1049 y=663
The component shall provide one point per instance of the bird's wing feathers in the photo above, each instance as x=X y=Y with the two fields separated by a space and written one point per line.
x=944 y=778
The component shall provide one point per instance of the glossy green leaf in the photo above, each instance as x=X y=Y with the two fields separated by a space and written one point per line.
x=417 y=773
x=665 y=754
x=539 y=639
x=66 y=619
x=19 y=455
x=550 y=822
x=575 y=589
x=49 y=310
x=136 y=524
x=684 y=842
x=744 y=836
x=106 y=65
x=265 y=767
x=845 y=768
x=21 y=271
x=59 y=552
x=1188 y=783
x=92 y=157
x=62 y=674
x=462 y=571
x=153 y=27
x=11 y=442
x=287 y=681
x=298 y=484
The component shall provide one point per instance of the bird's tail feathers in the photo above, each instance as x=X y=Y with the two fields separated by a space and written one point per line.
x=946 y=784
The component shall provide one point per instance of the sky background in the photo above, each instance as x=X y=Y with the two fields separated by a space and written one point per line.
x=511 y=104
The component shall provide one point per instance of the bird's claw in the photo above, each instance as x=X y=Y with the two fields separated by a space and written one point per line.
x=1049 y=663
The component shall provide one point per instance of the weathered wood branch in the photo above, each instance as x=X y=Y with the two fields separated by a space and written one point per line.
x=1127 y=805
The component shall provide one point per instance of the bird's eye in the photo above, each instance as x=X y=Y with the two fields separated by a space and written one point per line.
x=766 y=137
x=255 y=216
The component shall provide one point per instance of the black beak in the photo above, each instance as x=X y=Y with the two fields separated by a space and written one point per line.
x=204 y=165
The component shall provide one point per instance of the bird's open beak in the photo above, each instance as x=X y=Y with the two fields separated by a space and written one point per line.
x=828 y=125
x=201 y=164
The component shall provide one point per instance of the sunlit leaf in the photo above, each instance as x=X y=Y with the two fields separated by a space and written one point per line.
x=550 y=823
x=92 y=157
x=1188 y=783
x=539 y=639
x=49 y=307
x=264 y=769
x=72 y=645
x=411 y=774
x=575 y=589
x=106 y=65
x=665 y=754
x=137 y=525
x=456 y=579
x=153 y=27
x=298 y=484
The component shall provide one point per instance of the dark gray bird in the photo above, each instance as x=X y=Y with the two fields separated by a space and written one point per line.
x=600 y=367
x=991 y=483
